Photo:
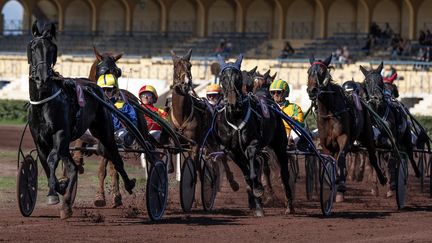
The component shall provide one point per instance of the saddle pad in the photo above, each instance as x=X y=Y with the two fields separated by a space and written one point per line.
x=264 y=109
x=80 y=95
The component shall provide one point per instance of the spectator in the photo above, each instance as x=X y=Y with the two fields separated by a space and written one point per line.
x=375 y=30
x=346 y=57
x=388 y=31
x=368 y=45
x=422 y=38
x=287 y=51
x=221 y=48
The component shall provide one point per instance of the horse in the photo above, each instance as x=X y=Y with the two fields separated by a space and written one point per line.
x=56 y=117
x=190 y=115
x=248 y=80
x=105 y=63
x=339 y=121
x=393 y=115
x=244 y=132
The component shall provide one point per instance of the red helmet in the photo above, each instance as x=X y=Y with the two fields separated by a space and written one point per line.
x=148 y=88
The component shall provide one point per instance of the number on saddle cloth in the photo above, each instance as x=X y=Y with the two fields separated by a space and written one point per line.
x=263 y=107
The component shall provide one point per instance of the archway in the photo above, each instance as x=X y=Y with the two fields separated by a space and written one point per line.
x=259 y=17
x=182 y=17
x=299 y=24
x=341 y=18
x=13 y=18
x=221 y=17
x=424 y=18
x=147 y=17
x=78 y=17
x=112 y=18
x=387 y=11
x=48 y=9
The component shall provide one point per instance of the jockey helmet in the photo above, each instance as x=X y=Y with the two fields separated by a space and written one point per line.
x=350 y=86
x=148 y=88
x=280 y=85
x=213 y=89
x=107 y=81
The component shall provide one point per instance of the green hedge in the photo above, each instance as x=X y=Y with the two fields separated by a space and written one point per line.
x=13 y=110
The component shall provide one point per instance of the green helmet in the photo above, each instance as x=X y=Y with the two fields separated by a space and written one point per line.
x=280 y=85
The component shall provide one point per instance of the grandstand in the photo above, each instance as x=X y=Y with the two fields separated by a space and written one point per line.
x=146 y=30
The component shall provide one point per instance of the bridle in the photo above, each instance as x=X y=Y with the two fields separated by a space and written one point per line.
x=320 y=85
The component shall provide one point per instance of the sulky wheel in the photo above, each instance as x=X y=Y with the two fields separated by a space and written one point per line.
x=27 y=183
x=208 y=186
x=187 y=184
x=328 y=184
x=311 y=178
x=157 y=191
x=401 y=182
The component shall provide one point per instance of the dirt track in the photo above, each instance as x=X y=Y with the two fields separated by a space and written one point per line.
x=362 y=218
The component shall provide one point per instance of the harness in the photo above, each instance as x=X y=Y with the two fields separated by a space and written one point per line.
x=40 y=102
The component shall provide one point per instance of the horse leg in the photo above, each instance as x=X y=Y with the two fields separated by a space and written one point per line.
x=71 y=173
x=268 y=188
x=229 y=175
x=250 y=153
x=109 y=150
x=341 y=188
x=285 y=174
x=100 y=194
x=117 y=201
x=78 y=155
x=352 y=162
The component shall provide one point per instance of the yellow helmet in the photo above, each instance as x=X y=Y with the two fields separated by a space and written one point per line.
x=107 y=81
x=148 y=88
x=280 y=85
x=213 y=89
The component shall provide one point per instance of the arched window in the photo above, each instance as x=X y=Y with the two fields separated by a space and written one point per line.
x=147 y=17
x=221 y=17
x=78 y=17
x=112 y=17
x=13 y=18
x=341 y=18
x=182 y=17
x=259 y=17
x=300 y=20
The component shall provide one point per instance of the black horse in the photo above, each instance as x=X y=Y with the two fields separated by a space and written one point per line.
x=391 y=113
x=56 y=117
x=339 y=122
x=244 y=131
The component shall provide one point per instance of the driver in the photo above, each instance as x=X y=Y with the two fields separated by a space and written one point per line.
x=280 y=90
x=109 y=84
x=213 y=94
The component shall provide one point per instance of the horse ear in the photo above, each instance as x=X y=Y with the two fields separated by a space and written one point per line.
x=174 y=55
x=97 y=54
x=118 y=56
x=266 y=74
x=188 y=55
x=311 y=59
x=380 y=67
x=239 y=61
x=35 y=29
x=327 y=61
x=364 y=71
x=53 y=30
x=253 y=70
x=274 y=76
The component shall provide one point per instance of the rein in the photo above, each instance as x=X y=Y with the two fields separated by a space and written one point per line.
x=46 y=99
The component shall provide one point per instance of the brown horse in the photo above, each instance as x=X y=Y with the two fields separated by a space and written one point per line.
x=103 y=64
x=339 y=122
x=190 y=115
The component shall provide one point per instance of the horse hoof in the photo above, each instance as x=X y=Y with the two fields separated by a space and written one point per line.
x=339 y=197
x=100 y=200
x=258 y=191
x=290 y=210
x=53 y=200
x=117 y=201
x=62 y=185
x=389 y=194
x=259 y=213
x=234 y=185
x=65 y=213
x=130 y=186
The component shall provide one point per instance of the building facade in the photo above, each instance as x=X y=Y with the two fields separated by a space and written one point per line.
x=281 y=19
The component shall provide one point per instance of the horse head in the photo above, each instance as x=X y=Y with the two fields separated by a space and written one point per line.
x=374 y=83
x=105 y=64
x=231 y=80
x=182 y=76
x=42 y=53
x=318 y=76
x=248 y=80
x=263 y=81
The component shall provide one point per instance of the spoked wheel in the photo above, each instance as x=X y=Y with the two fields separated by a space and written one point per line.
x=187 y=184
x=401 y=183
x=157 y=190
x=208 y=186
x=328 y=184
x=311 y=178
x=421 y=166
x=27 y=185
